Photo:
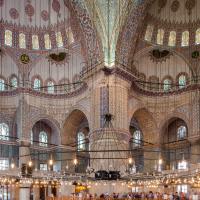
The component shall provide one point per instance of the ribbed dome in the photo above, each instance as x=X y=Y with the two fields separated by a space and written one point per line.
x=176 y=11
x=36 y=13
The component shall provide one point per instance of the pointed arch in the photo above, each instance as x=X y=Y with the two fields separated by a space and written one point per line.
x=71 y=126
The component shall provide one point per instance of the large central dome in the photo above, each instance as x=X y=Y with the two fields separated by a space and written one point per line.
x=36 y=13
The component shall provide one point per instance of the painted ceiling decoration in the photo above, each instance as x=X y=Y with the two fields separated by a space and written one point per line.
x=59 y=58
x=109 y=27
x=129 y=34
x=109 y=17
x=33 y=12
x=82 y=23
x=176 y=11
x=175 y=5
x=161 y=5
x=159 y=55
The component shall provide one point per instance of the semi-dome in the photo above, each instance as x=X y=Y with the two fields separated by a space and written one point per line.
x=173 y=23
x=35 y=25
x=175 y=11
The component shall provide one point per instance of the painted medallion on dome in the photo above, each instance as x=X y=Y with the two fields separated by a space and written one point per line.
x=14 y=14
x=1 y=3
x=56 y=6
x=45 y=15
x=161 y=4
x=175 y=5
x=29 y=10
x=189 y=5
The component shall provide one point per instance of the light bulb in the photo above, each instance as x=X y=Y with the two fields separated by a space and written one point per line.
x=30 y=163
x=130 y=161
x=50 y=162
x=75 y=161
x=160 y=161
x=12 y=165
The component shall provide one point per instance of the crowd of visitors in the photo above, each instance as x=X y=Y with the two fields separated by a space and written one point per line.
x=144 y=196
x=129 y=196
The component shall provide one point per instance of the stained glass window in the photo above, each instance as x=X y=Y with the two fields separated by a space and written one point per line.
x=197 y=39
x=81 y=141
x=35 y=42
x=31 y=137
x=2 y=85
x=4 y=131
x=8 y=37
x=50 y=87
x=182 y=81
x=160 y=36
x=167 y=84
x=22 y=41
x=43 y=167
x=43 y=139
x=172 y=38
x=14 y=82
x=70 y=35
x=142 y=79
x=37 y=84
x=47 y=41
x=185 y=38
x=59 y=39
x=154 y=83
x=4 y=164
x=181 y=132
x=182 y=165
x=149 y=33
x=137 y=138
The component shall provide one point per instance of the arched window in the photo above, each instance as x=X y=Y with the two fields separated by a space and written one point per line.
x=142 y=78
x=4 y=131
x=70 y=35
x=22 y=41
x=36 y=84
x=31 y=136
x=59 y=39
x=64 y=86
x=172 y=38
x=43 y=139
x=160 y=36
x=167 y=84
x=197 y=37
x=185 y=39
x=181 y=132
x=182 y=165
x=35 y=42
x=14 y=82
x=50 y=87
x=182 y=81
x=47 y=41
x=154 y=83
x=137 y=138
x=81 y=141
x=2 y=84
x=8 y=37
x=149 y=33
x=76 y=81
x=4 y=164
